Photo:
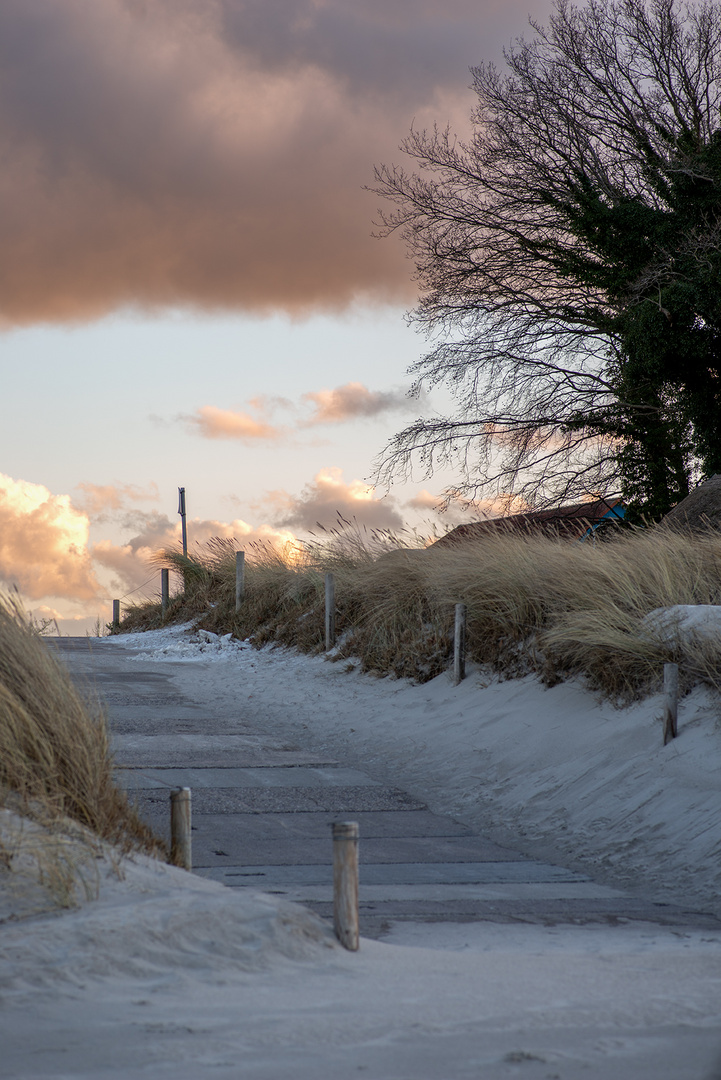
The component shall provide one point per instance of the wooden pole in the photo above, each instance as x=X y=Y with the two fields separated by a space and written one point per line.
x=180 y=828
x=329 y=611
x=345 y=883
x=181 y=511
x=670 y=702
x=239 y=579
x=459 y=644
x=164 y=591
x=116 y=613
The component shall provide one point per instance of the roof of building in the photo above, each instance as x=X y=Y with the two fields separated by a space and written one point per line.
x=699 y=510
x=571 y=522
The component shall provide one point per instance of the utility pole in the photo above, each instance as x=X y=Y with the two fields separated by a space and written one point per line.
x=181 y=511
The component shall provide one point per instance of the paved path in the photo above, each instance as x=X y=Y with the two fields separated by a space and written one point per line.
x=262 y=811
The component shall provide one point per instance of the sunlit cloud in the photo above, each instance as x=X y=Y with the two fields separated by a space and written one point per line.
x=46 y=551
x=265 y=404
x=453 y=511
x=213 y=423
x=327 y=497
x=344 y=403
x=44 y=613
x=350 y=402
x=131 y=563
x=44 y=543
x=99 y=500
x=425 y=500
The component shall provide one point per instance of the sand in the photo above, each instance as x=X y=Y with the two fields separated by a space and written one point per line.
x=155 y=972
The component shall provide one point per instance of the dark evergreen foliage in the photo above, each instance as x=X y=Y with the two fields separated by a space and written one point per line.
x=570 y=257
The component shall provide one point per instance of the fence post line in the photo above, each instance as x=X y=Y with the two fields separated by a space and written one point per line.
x=180 y=828
x=670 y=702
x=345 y=883
x=116 y=613
x=164 y=591
x=239 y=579
x=459 y=644
x=329 y=611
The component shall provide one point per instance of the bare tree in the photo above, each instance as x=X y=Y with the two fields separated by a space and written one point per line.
x=581 y=219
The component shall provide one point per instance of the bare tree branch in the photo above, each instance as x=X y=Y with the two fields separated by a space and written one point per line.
x=540 y=242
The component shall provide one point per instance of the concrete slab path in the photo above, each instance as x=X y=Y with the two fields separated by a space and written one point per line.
x=262 y=811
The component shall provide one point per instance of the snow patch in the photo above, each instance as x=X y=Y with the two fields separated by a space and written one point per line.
x=182 y=643
x=684 y=623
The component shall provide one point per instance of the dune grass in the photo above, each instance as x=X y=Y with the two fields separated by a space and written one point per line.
x=535 y=603
x=55 y=762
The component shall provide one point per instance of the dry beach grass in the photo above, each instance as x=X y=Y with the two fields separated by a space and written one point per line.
x=535 y=603
x=55 y=765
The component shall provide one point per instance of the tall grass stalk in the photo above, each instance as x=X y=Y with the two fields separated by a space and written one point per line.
x=55 y=761
x=535 y=603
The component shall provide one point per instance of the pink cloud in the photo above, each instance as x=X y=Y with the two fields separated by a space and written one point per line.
x=213 y=423
x=213 y=154
x=455 y=511
x=327 y=496
x=424 y=500
x=350 y=402
x=97 y=500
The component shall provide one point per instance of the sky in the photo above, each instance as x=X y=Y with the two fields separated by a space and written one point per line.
x=191 y=293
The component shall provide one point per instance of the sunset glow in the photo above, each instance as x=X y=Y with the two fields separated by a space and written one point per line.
x=191 y=290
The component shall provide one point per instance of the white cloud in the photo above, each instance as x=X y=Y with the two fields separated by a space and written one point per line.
x=44 y=543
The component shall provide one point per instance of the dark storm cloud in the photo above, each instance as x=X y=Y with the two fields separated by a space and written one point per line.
x=212 y=153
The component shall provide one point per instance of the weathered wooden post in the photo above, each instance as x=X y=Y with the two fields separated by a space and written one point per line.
x=239 y=579
x=329 y=611
x=116 y=614
x=670 y=702
x=459 y=644
x=180 y=828
x=345 y=883
x=164 y=591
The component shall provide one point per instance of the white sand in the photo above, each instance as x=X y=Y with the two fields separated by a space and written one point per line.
x=168 y=974
x=554 y=771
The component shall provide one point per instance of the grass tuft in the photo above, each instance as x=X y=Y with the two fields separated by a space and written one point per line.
x=55 y=761
x=535 y=603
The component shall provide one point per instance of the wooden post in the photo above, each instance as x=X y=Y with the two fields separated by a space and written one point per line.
x=345 y=883
x=329 y=611
x=459 y=644
x=239 y=579
x=670 y=702
x=164 y=591
x=181 y=511
x=180 y=826
x=116 y=614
